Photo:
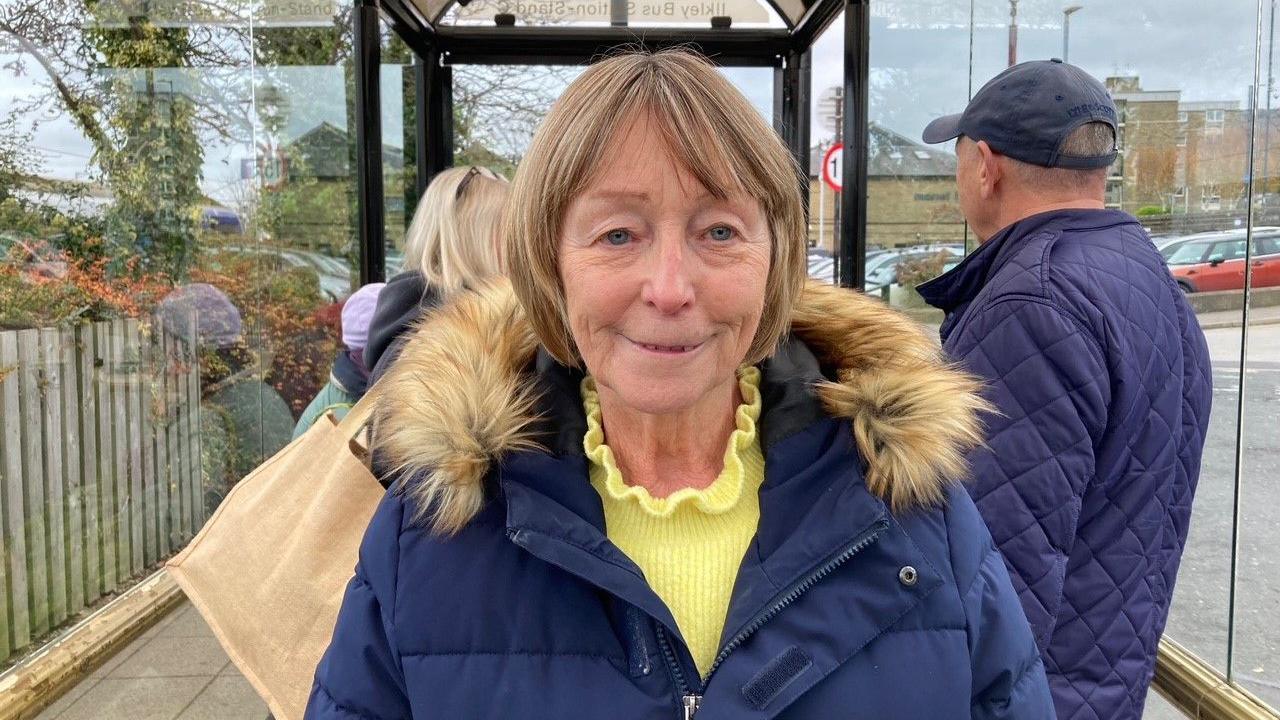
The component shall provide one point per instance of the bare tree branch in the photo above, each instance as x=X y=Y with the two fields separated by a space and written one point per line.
x=76 y=106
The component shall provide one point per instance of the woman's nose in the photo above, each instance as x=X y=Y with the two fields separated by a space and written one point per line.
x=669 y=287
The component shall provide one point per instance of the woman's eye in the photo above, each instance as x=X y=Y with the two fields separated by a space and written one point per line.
x=721 y=233
x=617 y=237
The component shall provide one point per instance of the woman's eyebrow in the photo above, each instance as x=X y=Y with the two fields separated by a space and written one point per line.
x=639 y=195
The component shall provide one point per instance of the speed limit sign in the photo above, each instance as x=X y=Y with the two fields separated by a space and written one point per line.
x=832 y=167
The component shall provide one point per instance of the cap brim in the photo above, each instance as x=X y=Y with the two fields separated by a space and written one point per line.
x=943 y=129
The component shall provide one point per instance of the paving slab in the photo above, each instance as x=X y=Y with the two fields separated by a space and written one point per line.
x=228 y=697
x=153 y=698
x=165 y=656
x=174 y=671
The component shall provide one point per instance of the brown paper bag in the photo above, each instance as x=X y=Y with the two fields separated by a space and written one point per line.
x=269 y=569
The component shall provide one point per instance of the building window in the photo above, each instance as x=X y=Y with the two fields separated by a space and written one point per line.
x=1182 y=116
x=1214 y=116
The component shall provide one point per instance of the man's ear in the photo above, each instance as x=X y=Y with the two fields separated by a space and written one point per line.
x=989 y=169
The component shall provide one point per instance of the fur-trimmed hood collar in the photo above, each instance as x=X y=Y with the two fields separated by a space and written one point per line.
x=464 y=393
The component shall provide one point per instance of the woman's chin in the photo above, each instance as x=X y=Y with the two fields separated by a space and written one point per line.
x=652 y=395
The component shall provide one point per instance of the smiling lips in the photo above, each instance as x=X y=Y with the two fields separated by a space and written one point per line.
x=664 y=349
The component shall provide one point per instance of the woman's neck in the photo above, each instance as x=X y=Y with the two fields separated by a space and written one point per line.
x=670 y=452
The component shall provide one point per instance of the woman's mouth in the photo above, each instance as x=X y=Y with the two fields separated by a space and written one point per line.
x=666 y=349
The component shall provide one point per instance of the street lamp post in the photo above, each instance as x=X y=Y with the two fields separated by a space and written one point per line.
x=1067 y=12
x=1013 y=32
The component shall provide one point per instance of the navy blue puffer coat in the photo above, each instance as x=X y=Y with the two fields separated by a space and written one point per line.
x=487 y=588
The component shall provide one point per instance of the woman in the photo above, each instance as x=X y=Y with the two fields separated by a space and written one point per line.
x=658 y=475
x=451 y=243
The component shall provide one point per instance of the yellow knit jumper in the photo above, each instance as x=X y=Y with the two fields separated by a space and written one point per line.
x=690 y=543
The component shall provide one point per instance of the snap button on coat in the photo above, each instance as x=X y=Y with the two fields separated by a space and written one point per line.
x=908 y=576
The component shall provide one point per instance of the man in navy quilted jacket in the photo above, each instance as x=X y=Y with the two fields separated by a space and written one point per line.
x=1100 y=372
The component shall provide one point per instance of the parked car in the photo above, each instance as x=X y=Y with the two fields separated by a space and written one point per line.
x=1218 y=263
x=1171 y=244
x=222 y=220
x=822 y=262
x=883 y=269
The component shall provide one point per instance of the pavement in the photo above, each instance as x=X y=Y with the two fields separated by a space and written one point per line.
x=1245 y=636
x=174 y=671
x=1233 y=318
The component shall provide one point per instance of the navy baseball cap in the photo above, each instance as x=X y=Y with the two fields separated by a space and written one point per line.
x=1027 y=111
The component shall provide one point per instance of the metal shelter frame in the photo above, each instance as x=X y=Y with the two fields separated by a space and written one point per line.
x=439 y=46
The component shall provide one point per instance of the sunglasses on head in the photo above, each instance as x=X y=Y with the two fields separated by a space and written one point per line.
x=462 y=186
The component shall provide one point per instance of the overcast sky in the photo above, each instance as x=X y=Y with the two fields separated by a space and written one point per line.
x=920 y=59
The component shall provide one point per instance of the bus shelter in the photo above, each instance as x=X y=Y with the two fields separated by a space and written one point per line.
x=776 y=34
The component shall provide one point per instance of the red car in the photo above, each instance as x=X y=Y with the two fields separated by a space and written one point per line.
x=1218 y=263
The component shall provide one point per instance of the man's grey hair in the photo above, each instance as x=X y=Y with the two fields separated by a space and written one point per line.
x=1088 y=140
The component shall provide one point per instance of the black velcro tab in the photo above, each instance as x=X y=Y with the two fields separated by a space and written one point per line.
x=774 y=677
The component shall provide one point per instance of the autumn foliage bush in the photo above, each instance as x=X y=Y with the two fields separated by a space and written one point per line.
x=277 y=307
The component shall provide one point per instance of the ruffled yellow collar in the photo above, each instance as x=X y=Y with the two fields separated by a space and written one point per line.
x=718 y=497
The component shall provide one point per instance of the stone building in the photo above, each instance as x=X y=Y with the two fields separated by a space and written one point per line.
x=911 y=194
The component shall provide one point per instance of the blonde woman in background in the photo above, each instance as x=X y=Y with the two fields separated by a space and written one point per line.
x=452 y=243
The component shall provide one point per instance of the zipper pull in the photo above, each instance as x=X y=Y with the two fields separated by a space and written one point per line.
x=691 y=705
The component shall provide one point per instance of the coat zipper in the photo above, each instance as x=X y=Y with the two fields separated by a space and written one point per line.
x=691 y=701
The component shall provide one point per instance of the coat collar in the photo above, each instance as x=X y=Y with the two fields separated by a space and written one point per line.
x=472 y=390
x=961 y=285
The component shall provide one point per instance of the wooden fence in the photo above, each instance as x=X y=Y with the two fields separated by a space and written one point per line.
x=99 y=466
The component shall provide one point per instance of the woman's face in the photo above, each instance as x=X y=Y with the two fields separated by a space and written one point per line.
x=664 y=282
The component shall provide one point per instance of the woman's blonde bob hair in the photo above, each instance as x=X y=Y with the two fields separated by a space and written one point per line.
x=453 y=239
x=708 y=126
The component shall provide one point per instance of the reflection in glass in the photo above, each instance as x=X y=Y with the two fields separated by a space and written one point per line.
x=399 y=143
x=1255 y=659
x=1184 y=140
x=599 y=13
x=825 y=131
x=147 y=150
x=1183 y=153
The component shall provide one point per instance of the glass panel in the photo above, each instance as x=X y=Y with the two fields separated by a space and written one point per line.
x=1184 y=150
x=826 y=132
x=1184 y=153
x=175 y=203
x=496 y=108
x=915 y=230
x=306 y=201
x=633 y=13
x=756 y=83
x=399 y=144
x=1255 y=661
